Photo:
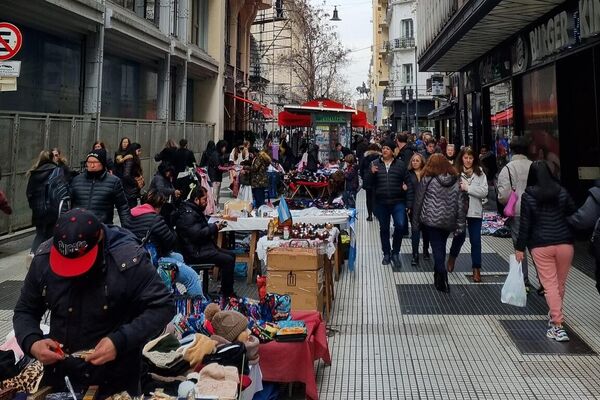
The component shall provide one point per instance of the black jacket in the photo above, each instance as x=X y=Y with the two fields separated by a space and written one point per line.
x=365 y=166
x=544 y=224
x=361 y=149
x=132 y=169
x=406 y=154
x=414 y=182
x=194 y=232
x=214 y=160
x=167 y=155
x=143 y=218
x=100 y=196
x=588 y=213
x=388 y=184
x=162 y=185
x=185 y=158
x=36 y=194
x=125 y=301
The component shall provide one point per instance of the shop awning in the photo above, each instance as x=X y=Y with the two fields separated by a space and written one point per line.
x=256 y=106
x=476 y=28
x=445 y=111
x=303 y=118
x=319 y=105
x=504 y=117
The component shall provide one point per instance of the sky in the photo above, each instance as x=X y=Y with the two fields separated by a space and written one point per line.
x=356 y=32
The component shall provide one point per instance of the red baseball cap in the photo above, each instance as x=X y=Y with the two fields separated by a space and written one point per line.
x=75 y=243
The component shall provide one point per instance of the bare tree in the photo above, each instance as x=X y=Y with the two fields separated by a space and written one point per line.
x=318 y=55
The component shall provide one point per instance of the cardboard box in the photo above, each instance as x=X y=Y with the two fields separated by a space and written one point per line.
x=304 y=287
x=295 y=259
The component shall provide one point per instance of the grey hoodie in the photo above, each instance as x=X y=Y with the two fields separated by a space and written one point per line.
x=589 y=212
x=439 y=203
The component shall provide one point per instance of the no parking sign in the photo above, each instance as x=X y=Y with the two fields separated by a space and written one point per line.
x=10 y=41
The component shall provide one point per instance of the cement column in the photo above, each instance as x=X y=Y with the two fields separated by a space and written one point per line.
x=92 y=72
x=181 y=92
x=182 y=20
x=164 y=16
x=162 y=107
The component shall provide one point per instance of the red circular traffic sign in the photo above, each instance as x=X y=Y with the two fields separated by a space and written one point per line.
x=11 y=40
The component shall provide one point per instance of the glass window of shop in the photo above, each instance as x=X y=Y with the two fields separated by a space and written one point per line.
x=129 y=90
x=501 y=120
x=50 y=80
x=540 y=116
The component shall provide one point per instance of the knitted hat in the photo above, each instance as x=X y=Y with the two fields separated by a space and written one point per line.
x=211 y=310
x=99 y=154
x=388 y=143
x=229 y=324
x=217 y=380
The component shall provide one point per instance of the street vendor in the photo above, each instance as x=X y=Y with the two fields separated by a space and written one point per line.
x=106 y=301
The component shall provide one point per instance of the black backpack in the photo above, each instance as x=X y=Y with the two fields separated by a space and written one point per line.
x=57 y=192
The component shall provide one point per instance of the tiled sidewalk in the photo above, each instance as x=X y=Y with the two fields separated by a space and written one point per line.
x=432 y=345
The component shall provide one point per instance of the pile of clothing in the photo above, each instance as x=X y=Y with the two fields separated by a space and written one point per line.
x=494 y=225
x=18 y=373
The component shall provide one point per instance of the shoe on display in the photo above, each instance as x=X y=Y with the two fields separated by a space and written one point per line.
x=386 y=260
x=558 y=333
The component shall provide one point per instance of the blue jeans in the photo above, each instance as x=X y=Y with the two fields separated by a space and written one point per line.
x=474 y=228
x=438 y=238
x=259 y=197
x=384 y=213
x=185 y=274
x=273 y=183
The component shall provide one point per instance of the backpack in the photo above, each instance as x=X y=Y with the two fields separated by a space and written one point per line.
x=56 y=192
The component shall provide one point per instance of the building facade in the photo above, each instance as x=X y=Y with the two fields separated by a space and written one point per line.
x=528 y=68
x=379 y=71
x=408 y=93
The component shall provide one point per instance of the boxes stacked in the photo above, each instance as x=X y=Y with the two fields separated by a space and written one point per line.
x=297 y=272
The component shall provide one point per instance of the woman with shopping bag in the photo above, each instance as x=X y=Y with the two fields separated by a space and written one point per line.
x=544 y=230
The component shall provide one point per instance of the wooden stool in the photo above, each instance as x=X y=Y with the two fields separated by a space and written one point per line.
x=204 y=268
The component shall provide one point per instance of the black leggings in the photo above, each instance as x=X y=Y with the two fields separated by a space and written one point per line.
x=225 y=260
x=369 y=193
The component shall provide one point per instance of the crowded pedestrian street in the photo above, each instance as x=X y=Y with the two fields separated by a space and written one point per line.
x=296 y=199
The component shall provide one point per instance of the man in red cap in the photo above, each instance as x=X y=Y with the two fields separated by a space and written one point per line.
x=106 y=301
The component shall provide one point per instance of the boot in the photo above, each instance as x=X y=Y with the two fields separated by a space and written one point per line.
x=443 y=282
x=370 y=217
x=437 y=280
x=415 y=260
x=451 y=263
x=476 y=275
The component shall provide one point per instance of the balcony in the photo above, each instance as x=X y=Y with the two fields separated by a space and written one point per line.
x=403 y=43
x=385 y=47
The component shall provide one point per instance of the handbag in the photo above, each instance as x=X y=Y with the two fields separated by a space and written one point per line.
x=139 y=180
x=510 y=209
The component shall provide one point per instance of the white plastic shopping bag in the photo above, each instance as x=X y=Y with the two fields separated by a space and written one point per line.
x=513 y=291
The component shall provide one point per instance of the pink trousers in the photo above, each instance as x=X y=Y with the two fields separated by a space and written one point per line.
x=553 y=264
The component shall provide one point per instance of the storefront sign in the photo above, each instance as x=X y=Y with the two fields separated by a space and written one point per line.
x=330 y=118
x=520 y=55
x=589 y=16
x=495 y=66
x=551 y=37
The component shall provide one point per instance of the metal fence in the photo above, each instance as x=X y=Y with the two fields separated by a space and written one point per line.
x=24 y=135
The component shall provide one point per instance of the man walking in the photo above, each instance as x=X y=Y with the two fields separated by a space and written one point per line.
x=387 y=177
x=98 y=191
x=106 y=299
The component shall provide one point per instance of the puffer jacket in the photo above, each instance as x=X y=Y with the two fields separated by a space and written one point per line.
x=439 y=203
x=519 y=170
x=163 y=185
x=100 y=195
x=388 y=184
x=258 y=170
x=544 y=224
x=478 y=191
x=36 y=194
x=589 y=212
x=194 y=232
x=365 y=165
x=131 y=170
x=125 y=301
x=413 y=181
x=143 y=218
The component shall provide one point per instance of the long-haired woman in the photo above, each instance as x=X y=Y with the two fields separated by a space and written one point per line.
x=121 y=156
x=439 y=209
x=133 y=175
x=544 y=230
x=473 y=185
x=38 y=175
x=416 y=167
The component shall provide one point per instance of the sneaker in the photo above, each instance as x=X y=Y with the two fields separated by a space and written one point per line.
x=557 y=333
x=396 y=261
x=386 y=260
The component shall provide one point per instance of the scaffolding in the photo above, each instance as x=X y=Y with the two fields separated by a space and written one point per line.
x=271 y=78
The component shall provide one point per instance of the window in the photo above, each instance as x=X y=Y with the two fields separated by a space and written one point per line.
x=200 y=23
x=407 y=73
x=407 y=28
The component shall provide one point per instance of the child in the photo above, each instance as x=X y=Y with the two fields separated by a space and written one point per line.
x=351 y=181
